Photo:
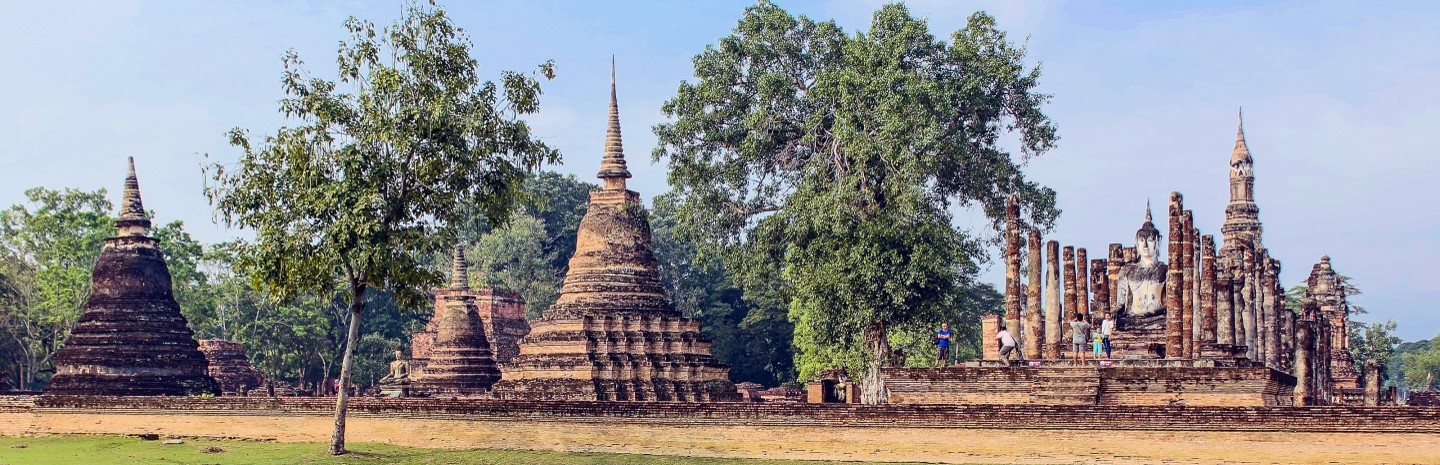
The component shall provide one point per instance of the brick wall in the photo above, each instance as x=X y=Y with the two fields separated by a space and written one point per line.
x=1119 y=385
x=684 y=415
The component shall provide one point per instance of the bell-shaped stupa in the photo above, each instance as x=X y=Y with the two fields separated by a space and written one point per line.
x=614 y=334
x=131 y=339
x=461 y=362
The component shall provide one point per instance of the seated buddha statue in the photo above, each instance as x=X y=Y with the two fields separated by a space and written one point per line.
x=1140 y=288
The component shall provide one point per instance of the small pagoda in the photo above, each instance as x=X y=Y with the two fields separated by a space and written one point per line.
x=230 y=368
x=131 y=339
x=613 y=334
x=460 y=363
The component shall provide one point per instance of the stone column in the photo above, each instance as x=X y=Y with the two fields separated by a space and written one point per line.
x=1224 y=316
x=1287 y=340
x=1112 y=269
x=1277 y=310
x=1053 y=311
x=1174 y=314
x=1267 y=312
x=1187 y=286
x=1034 y=327
x=1208 y=317
x=1372 y=383
x=1252 y=347
x=1012 y=265
x=1068 y=255
x=1082 y=283
x=1195 y=313
x=989 y=328
x=1100 y=288
x=1304 y=379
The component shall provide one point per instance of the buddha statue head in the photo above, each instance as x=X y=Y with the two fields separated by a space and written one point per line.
x=1147 y=241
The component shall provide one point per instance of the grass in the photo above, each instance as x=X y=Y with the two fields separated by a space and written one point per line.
x=125 y=450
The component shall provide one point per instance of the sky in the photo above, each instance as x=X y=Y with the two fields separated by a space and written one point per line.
x=1340 y=103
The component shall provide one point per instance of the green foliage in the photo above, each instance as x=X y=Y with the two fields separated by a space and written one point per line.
x=361 y=190
x=1374 y=341
x=753 y=338
x=1421 y=365
x=48 y=249
x=836 y=162
x=514 y=257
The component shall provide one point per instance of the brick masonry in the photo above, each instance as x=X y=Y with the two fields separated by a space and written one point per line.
x=919 y=433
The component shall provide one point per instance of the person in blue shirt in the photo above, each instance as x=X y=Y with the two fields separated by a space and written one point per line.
x=942 y=340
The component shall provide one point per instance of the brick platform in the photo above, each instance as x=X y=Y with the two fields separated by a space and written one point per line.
x=1144 y=382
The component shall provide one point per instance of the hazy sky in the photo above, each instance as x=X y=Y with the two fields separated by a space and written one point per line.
x=1341 y=104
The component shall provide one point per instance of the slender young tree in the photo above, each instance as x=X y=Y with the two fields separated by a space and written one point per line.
x=364 y=187
x=837 y=162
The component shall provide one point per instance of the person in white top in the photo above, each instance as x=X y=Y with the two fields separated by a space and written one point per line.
x=1107 y=327
x=1007 y=345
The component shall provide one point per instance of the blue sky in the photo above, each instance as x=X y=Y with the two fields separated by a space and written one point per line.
x=1340 y=105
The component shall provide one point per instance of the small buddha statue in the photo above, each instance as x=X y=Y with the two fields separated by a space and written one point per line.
x=399 y=371
x=1141 y=286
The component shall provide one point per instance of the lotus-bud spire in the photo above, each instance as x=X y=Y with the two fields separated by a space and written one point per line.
x=459 y=270
x=612 y=166
x=132 y=221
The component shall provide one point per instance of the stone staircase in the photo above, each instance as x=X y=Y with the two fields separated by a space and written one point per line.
x=1065 y=386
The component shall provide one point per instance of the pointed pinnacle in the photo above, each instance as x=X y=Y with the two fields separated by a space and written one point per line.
x=459 y=270
x=132 y=219
x=612 y=165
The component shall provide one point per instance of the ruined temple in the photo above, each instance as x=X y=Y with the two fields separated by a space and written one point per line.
x=131 y=339
x=1327 y=291
x=229 y=366
x=460 y=363
x=613 y=334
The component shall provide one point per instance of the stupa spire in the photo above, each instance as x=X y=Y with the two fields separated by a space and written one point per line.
x=612 y=166
x=1148 y=218
x=132 y=221
x=459 y=273
x=1242 y=151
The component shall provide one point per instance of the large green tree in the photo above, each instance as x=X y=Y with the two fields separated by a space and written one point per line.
x=837 y=162
x=362 y=189
x=514 y=257
x=1421 y=366
x=48 y=248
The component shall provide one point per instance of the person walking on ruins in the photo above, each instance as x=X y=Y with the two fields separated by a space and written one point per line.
x=1107 y=328
x=942 y=343
x=1079 y=337
x=1007 y=345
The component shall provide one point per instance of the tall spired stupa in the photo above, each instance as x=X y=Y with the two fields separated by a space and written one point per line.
x=614 y=334
x=1242 y=216
x=131 y=339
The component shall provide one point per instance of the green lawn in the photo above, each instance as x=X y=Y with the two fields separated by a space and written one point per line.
x=122 y=450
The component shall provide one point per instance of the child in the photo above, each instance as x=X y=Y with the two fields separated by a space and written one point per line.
x=1096 y=344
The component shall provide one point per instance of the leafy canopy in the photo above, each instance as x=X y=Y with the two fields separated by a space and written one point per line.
x=838 y=162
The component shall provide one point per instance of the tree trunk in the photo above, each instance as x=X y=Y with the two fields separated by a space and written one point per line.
x=872 y=387
x=357 y=306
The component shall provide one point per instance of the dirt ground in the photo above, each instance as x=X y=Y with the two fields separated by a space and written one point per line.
x=799 y=443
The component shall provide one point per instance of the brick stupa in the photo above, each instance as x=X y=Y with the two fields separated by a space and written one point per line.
x=229 y=366
x=460 y=363
x=131 y=339
x=613 y=334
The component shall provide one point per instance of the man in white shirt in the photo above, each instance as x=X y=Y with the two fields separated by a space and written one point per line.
x=1107 y=327
x=1007 y=345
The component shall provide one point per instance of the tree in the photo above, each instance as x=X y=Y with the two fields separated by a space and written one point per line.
x=1373 y=342
x=1422 y=368
x=836 y=162
x=364 y=188
x=755 y=340
x=49 y=248
x=514 y=257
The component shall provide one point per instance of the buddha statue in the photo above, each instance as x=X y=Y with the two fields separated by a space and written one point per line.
x=1141 y=286
x=399 y=371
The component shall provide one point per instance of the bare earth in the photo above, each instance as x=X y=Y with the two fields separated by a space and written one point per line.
x=838 y=443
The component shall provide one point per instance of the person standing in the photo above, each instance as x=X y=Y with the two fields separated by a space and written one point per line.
x=1007 y=345
x=1107 y=328
x=1079 y=338
x=942 y=343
